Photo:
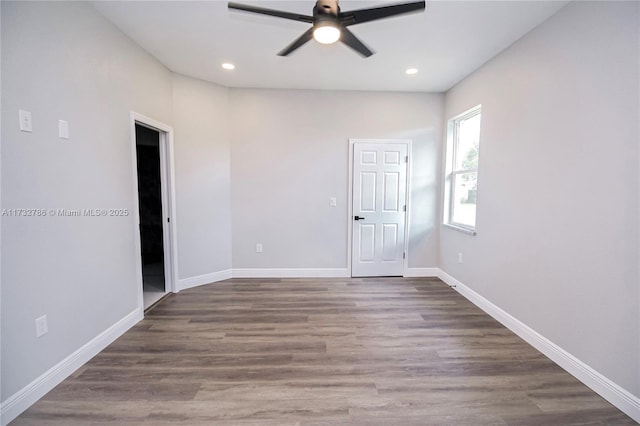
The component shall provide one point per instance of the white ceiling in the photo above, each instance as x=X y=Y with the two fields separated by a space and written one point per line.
x=447 y=42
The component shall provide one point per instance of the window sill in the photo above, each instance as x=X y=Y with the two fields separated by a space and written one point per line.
x=460 y=229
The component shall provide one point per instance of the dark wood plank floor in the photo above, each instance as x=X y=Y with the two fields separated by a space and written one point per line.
x=383 y=351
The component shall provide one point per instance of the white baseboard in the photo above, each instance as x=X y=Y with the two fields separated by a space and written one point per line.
x=291 y=273
x=606 y=388
x=199 y=280
x=13 y=406
x=421 y=272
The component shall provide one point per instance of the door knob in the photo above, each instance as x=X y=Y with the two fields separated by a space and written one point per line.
x=358 y=218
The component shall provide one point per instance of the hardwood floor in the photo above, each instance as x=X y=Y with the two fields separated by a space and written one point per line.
x=381 y=351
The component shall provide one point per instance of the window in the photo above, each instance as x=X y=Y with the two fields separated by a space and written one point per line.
x=461 y=180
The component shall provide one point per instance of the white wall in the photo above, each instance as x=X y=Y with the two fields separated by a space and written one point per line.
x=64 y=61
x=289 y=154
x=557 y=243
x=558 y=230
x=201 y=121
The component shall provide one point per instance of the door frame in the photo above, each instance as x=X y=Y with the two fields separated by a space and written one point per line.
x=407 y=223
x=167 y=186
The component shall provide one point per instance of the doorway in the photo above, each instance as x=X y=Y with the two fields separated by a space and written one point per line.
x=379 y=199
x=150 y=210
x=153 y=171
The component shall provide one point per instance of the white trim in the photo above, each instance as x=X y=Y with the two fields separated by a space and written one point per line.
x=449 y=172
x=350 y=206
x=291 y=273
x=605 y=387
x=136 y=211
x=460 y=228
x=421 y=272
x=1 y=205
x=168 y=202
x=407 y=217
x=167 y=234
x=199 y=280
x=352 y=142
x=186 y=283
x=25 y=397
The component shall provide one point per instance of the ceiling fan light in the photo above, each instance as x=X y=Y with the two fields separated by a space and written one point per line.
x=326 y=34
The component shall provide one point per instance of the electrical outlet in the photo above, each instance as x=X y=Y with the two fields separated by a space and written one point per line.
x=333 y=201
x=459 y=257
x=25 y=121
x=42 y=327
x=258 y=248
x=63 y=129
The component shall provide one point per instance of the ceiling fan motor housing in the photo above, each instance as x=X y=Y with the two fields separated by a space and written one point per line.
x=326 y=22
x=326 y=7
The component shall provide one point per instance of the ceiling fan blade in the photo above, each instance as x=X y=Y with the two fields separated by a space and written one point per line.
x=353 y=42
x=308 y=35
x=270 y=12
x=354 y=17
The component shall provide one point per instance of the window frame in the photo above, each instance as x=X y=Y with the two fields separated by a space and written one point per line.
x=451 y=173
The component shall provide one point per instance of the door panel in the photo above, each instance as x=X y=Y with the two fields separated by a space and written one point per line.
x=379 y=199
x=391 y=157
x=391 y=192
x=368 y=157
x=389 y=241
x=368 y=192
x=367 y=242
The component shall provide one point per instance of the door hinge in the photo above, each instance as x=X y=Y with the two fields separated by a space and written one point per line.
x=406 y=158
x=404 y=208
x=168 y=220
x=403 y=255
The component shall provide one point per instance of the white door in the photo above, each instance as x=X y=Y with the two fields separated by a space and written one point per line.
x=379 y=204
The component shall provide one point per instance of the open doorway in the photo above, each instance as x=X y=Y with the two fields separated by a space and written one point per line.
x=150 y=211
x=152 y=154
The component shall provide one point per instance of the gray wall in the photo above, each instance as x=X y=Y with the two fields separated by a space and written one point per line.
x=289 y=154
x=201 y=121
x=558 y=230
x=557 y=223
x=64 y=61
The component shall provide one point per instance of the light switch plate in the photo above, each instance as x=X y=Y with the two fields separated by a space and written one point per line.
x=63 y=129
x=332 y=201
x=25 y=120
x=42 y=327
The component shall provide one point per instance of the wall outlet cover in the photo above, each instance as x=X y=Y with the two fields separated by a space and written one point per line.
x=42 y=327
x=26 y=124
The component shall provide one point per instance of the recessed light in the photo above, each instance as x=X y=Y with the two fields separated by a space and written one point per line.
x=228 y=66
x=411 y=71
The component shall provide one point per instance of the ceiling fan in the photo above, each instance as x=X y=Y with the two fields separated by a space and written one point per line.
x=329 y=24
